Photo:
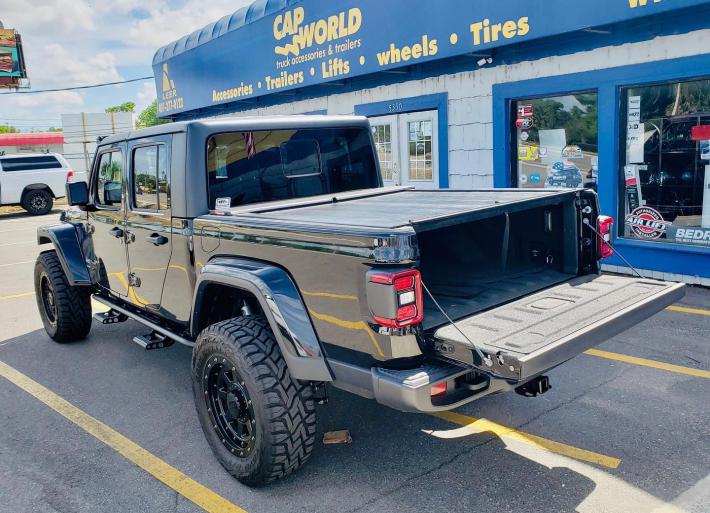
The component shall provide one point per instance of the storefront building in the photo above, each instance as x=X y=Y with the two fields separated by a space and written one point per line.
x=33 y=142
x=613 y=95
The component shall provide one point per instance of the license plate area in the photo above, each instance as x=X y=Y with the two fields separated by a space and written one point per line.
x=549 y=327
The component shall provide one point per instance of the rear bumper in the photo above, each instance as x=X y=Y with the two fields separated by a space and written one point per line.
x=410 y=390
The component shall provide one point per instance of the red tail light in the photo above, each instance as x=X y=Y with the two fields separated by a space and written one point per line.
x=438 y=390
x=406 y=301
x=70 y=175
x=605 y=225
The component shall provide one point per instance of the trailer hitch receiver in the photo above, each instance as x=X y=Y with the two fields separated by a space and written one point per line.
x=534 y=387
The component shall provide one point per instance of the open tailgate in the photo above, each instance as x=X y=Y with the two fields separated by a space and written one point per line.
x=530 y=336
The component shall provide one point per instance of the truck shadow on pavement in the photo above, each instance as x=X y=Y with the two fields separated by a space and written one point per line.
x=394 y=463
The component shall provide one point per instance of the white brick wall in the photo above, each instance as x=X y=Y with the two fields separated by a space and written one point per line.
x=470 y=96
x=657 y=275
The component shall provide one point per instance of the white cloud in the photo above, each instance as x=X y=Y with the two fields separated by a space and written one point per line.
x=56 y=16
x=145 y=96
x=43 y=108
x=166 y=24
x=51 y=102
x=80 y=42
x=55 y=66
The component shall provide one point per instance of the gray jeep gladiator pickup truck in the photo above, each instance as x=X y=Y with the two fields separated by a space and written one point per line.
x=270 y=247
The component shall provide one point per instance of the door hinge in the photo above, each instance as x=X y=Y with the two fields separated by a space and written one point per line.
x=92 y=264
x=133 y=280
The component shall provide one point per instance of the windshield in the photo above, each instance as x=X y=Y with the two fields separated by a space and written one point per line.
x=252 y=167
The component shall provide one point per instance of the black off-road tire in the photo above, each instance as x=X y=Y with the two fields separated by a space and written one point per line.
x=282 y=409
x=69 y=319
x=37 y=202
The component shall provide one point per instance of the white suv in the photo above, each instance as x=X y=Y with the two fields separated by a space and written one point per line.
x=33 y=180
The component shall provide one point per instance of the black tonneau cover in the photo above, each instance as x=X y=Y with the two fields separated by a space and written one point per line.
x=391 y=208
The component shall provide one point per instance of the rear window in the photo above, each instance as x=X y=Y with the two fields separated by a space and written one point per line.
x=253 y=167
x=30 y=163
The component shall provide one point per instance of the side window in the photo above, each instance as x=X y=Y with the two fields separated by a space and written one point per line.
x=151 y=181
x=109 y=181
x=163 y=179
x=30 y=163
x=251 y=167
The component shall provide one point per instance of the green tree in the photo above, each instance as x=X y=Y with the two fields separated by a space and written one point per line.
x=149 y=116
x=55 y=129
x=124 y=107
x=7 y=129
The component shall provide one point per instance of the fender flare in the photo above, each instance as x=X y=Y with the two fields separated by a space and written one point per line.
x=66 y=242
x=282 y=304
x=35 y=186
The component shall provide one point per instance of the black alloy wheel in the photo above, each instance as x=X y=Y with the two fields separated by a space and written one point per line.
x=37 y=202
x=259 y=422
x=229 y=406
x=65 y=309
x=49 y=300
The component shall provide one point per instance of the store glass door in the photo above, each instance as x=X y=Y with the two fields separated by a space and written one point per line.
x=385 y=130
x=408 y=148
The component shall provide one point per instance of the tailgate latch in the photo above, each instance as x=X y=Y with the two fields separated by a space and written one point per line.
x=500 y=365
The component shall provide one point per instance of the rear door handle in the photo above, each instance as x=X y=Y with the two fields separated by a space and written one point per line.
x=117 y=232
x=157 y=240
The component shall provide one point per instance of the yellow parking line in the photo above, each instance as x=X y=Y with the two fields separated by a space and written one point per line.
x=688 y=371
x=160 y=470
x=501 y=431
x=685 y=309
x=16 y=296
x=484 y=425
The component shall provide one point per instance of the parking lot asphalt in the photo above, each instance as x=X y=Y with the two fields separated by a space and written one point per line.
x=626 y=429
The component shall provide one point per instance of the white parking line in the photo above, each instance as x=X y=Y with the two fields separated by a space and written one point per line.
x=17 y=263
x=19 y=243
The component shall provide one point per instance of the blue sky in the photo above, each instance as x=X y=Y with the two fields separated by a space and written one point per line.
x=77 y=42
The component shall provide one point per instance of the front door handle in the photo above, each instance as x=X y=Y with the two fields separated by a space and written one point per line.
x=117 y=232
x=157 y=240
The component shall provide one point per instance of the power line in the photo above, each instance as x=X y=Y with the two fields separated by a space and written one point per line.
x=79 y=87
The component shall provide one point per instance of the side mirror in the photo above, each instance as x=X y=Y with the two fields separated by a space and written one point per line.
x=77 y=194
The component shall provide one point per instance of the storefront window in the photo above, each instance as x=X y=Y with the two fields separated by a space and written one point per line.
x=665 y=145
x=383 y=142
x=420 y=148
x=556 y=141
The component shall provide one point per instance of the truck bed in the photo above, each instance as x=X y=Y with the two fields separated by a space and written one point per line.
x=397 y=207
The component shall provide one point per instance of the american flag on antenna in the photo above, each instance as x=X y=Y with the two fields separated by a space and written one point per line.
x=249 y=141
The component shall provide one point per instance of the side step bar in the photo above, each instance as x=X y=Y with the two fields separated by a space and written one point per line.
x=110 y=317
x=137 y=317
x=153 y=340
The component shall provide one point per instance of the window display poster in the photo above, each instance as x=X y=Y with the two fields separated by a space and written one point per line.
x=632 y=187
x=704 y=150
x=634 y=132
x=689 y=235
x=554 y=141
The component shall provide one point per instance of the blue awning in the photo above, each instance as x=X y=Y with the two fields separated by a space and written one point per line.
x=274 y=46
x=249 y=14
